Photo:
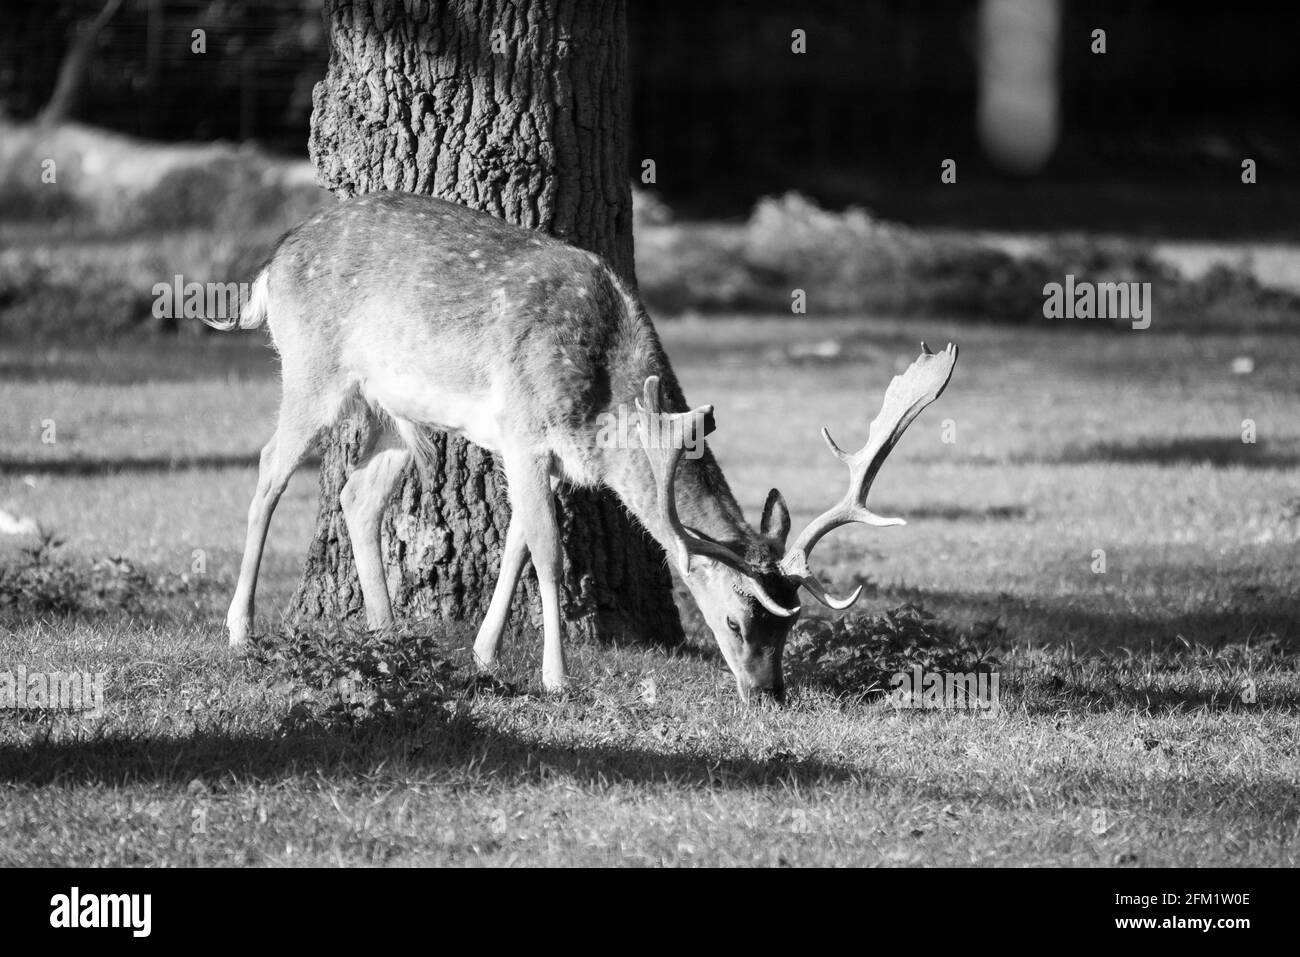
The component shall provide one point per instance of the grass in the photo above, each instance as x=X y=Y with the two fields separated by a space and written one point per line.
x=1148 y=712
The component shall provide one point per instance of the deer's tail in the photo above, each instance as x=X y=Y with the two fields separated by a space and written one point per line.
x=253 y=311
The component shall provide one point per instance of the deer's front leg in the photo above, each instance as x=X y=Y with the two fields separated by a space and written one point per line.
x=363 y=499
x=513 y=553
x=528 y=482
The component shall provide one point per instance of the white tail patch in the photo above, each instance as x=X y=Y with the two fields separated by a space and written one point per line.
x=253 y=314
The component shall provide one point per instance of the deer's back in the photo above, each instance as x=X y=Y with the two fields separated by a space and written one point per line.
x=451 y=312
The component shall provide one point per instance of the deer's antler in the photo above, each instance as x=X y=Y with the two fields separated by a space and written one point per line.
x=690 y=426
x=906 y=396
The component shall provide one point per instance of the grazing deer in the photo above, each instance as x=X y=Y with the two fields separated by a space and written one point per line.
x=431 y=315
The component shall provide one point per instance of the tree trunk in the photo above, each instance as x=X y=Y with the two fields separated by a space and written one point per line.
x=515 y=107
x=76 y=64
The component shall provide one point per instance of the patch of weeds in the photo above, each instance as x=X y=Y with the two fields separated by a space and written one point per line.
x=971 y=281
x=857 y=262
x=44 y=582
x=42 y=303
x=231 y=194
x=24 y=199
x=116 y=582
x=1230 y=297
x=353 y=675
x=857 y=654
x=851 y=259
x=649 y=209
x=1264 y=653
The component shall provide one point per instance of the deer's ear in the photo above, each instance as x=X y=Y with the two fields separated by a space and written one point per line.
x=710 y=423
x=776 y=518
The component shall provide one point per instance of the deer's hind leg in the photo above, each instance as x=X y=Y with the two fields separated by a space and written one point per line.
x=303 y=417
x=363 y=498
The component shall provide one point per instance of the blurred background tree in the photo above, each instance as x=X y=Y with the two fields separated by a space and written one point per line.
x=134 y=64
x=83 y=43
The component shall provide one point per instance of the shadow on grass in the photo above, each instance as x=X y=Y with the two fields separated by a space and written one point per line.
x=363 y=700
x=1099 y=659
x=433 y=741
x=135 y=464
x=1103 y=693
x=1267 y=614
x=956 y=513
x=474 y=755
x=145 y=359
x=1194 y=450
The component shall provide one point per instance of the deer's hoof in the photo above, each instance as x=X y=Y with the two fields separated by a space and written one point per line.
x=555 y=684
x=239 y=629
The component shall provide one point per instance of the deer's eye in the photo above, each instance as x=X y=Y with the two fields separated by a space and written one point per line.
x=735 y=628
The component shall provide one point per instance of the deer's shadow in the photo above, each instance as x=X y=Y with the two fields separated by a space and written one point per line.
x=436 y=741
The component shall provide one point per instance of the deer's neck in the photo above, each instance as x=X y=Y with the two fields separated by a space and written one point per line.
x=703 y=497
x=704 y=500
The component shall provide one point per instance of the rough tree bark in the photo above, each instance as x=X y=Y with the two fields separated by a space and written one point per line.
x=516 y=107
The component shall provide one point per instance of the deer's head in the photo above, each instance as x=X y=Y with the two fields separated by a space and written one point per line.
x=750 y=600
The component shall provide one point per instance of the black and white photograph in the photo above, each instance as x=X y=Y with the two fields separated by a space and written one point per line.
x=615 y=434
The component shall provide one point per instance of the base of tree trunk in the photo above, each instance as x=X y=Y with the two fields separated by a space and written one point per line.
x=443 y=544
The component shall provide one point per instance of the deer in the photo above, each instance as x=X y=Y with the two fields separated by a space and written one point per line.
x=427 y=315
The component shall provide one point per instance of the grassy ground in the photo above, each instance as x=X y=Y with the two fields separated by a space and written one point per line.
x=1149 y=711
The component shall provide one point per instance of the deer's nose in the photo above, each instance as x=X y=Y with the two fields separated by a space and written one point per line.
x=763 y=693
x=764 y=679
